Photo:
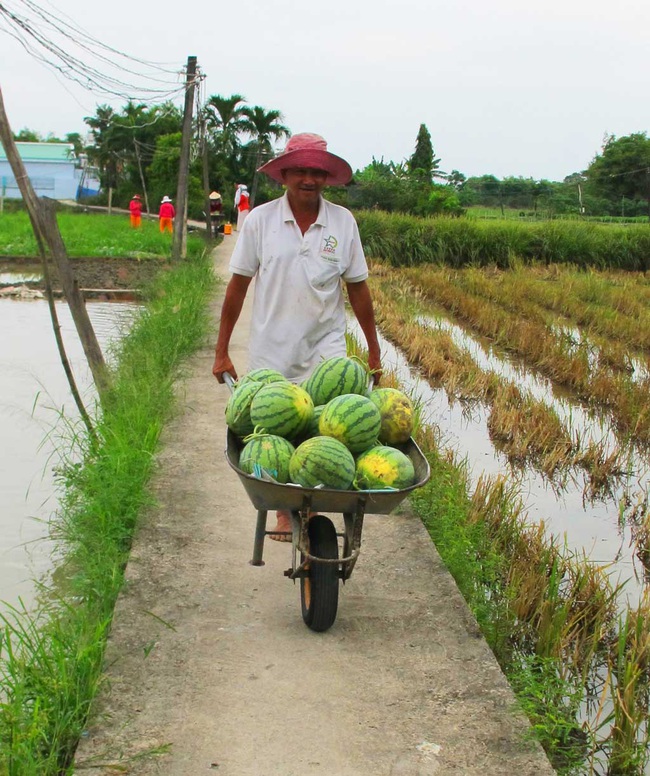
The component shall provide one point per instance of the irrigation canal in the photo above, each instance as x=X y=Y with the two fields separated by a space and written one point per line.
x=33 y=394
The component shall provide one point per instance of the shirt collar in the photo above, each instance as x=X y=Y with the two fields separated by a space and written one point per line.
x=287 y=213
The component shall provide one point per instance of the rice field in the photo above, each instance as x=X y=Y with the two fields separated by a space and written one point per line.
x=532 y=388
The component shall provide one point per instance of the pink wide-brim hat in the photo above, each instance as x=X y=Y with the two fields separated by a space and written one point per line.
x=309 y=150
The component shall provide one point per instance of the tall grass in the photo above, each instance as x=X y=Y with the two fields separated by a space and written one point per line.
x=92 y=234
x=408 y=240
x=50 y=659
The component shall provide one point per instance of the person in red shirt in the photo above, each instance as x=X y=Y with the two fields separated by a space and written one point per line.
x=135 y=207
x=242 y=203
x=166 y=215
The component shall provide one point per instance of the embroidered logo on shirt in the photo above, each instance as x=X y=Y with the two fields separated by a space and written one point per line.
x=329 y=249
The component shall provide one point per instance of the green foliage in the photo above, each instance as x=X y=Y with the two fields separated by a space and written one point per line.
x=51 y=659
x=28 y=136
x=623 y=168
x=423 y=165
x=406 y=240
x=124 y=146
x=390 y=187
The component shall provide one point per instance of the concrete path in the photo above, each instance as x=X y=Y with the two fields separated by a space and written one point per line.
x=211 y=669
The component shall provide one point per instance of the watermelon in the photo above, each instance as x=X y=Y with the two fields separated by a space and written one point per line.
x=396 y=411
x=238 y=418
x=335 y=377
x=322 y=461
x=353 y=420
x=384 y=467
x=263 y=375
x=312 y=427
x=271 y=452
x=284 y=409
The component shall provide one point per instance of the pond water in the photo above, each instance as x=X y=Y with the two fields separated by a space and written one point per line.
x=33 y=393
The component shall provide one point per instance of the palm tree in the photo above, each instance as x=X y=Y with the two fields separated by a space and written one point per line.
x=263 y=126
x=103 y=152
x=225 y=118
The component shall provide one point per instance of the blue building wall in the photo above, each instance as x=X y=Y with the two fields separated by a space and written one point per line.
x=58 y=180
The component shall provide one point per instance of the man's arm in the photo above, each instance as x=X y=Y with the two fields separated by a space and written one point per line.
x=230 y=311
x=361 y=303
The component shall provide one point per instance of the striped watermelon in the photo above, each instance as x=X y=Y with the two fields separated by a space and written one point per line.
x=312 y=427
x=384 y=467
x=238 y=418
x=353 y=420
x=335 y=377
x=263 y=375
x=322 y=461
x=272 y=453
x=396 y=411
x=284 y=409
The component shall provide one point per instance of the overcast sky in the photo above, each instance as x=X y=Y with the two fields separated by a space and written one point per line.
x=505 y=87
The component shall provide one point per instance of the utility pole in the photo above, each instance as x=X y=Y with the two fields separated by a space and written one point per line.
x=206 y=175
x=180 y=222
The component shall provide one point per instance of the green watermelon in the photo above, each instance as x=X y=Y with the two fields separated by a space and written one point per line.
x=271 y=452
x=384 y=467
x=335 y=377
x=238 y=418
x=263 y=375
x=396 y=411
x=322 y=461
x=353 y=420
x=312 y=427
x=284 y=409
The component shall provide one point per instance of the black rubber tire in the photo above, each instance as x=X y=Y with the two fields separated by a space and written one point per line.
x=319 y=592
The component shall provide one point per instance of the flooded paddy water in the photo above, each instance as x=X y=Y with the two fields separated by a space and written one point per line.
x=33 y=393
x=595 y=526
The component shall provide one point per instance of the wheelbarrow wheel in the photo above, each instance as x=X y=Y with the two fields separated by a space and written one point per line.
x=319 y=591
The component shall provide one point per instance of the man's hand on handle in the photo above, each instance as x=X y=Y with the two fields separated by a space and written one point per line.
x=374 y=364
x=223 y=364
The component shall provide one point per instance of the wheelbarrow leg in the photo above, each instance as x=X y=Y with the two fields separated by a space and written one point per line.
x=260 y=533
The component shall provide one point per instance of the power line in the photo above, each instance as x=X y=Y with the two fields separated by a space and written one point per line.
x=44 y=35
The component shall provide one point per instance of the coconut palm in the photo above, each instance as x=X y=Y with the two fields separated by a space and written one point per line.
x=225 y=119
x=263 y=126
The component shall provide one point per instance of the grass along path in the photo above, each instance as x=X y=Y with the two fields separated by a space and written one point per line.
x=51 y=659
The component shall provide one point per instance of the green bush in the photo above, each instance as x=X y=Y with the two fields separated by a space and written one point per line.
x=405 y=240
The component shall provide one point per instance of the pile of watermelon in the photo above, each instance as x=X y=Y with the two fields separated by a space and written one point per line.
x=329 y=431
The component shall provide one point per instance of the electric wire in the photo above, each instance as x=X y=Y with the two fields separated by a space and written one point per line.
x=40 y=45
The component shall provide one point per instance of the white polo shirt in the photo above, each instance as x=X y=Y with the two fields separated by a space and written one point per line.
x=298 y=309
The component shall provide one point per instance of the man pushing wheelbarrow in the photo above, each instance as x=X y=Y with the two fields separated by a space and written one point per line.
x=298 y=248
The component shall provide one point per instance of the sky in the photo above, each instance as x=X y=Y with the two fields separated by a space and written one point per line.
x=505 y=87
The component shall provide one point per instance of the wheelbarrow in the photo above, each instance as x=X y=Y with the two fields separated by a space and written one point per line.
x=316 y=561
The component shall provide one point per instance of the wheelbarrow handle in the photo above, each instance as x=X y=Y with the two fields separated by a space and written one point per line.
x=229 y=380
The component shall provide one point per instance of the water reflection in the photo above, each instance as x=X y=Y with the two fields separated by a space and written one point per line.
x=33 y=391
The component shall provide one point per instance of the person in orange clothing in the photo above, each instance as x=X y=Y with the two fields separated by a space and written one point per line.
x=135 y=207
x=166 y=215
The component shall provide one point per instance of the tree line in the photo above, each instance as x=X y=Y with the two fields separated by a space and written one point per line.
x=137 y=150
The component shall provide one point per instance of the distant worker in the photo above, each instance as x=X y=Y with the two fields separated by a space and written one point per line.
x=242 y=203
x=216 y=212
x=135 y=207
x=166 y=215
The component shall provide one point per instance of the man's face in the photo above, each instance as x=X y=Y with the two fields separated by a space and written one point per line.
x=304 y=184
